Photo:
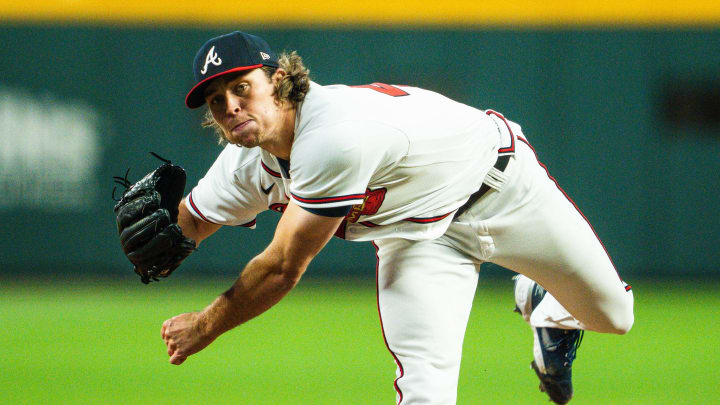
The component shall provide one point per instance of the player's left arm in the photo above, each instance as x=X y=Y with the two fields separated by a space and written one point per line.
x=267 y=278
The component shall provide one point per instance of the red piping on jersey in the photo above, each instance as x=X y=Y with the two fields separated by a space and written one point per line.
x=627 y=287
x=368 y=224
x=428 y=220
x=249 y=224
x=322 y=200
x=388 y=89
x=510 y=148
x=278 y=207
x=382 y=328
x=197 y=211
x=269 y=170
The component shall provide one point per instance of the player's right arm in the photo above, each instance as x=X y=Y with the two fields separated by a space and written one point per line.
x=192 y=227
x=266 y=279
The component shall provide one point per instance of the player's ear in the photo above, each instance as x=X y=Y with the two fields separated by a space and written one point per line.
x=278 y=75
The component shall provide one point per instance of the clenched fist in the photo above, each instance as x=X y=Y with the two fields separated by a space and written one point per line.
x=185 y=335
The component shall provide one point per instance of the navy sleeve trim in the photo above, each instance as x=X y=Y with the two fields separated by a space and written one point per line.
x=323 y=200
x=334 y=212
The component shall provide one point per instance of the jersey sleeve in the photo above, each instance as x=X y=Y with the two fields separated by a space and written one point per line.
x=331 y=167
x=229 y=194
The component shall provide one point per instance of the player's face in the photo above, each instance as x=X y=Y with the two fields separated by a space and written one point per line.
x=244 y=107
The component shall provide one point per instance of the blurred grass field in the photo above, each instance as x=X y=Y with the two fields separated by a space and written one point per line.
x=99 y=343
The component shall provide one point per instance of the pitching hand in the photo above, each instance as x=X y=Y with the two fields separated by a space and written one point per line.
x=184 y=336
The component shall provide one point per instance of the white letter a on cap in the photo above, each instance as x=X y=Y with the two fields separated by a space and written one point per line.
x=211 y=57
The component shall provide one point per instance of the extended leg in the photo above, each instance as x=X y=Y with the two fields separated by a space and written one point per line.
x=536 y=230
x=533 y=228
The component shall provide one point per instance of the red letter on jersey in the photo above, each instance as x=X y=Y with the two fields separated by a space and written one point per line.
x=385 y=89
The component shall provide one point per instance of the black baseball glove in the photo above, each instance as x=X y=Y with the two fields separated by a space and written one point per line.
x=146 y=217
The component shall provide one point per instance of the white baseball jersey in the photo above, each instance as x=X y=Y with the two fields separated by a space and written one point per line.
x=404 y=158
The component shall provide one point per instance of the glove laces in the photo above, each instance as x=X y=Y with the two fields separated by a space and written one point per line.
x=124 y=182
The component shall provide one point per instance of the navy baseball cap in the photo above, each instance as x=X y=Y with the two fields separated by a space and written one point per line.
x=225 y=54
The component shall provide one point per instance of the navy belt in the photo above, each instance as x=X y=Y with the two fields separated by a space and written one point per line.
x=500 y=164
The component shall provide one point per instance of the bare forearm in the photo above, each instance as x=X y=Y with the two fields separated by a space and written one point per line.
x=262 y=284
x=300 y=235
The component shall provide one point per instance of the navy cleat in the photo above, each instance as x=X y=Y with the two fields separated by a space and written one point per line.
x=558 y=348
x=554 y=349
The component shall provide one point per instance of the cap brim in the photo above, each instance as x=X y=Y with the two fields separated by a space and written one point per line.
x=196 y=97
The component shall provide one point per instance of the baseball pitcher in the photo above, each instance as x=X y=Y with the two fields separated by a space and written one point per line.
x=437 y=186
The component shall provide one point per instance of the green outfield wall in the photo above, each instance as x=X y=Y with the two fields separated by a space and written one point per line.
x=623 y=118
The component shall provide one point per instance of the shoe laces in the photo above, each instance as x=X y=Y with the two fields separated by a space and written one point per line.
x=570 y=342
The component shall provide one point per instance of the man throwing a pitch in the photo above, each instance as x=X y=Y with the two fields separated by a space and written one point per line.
x=438 y=187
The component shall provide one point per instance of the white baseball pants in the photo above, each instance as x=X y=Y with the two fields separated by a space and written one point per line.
x=426 y=288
